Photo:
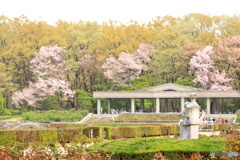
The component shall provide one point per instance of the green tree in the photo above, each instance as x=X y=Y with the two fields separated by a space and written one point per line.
x=198 y=27
x=85 y=99
x=169 y=44
x=227 y=25
x=2 y=102
x=81 y=57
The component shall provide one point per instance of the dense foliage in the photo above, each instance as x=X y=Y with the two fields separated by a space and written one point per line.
x=87 y=46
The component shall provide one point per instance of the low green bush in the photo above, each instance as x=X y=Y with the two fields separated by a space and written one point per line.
x=10 y=112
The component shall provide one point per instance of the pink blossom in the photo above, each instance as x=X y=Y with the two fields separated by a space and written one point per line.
x=201 y=66
x=50 y=69
x=128 y=66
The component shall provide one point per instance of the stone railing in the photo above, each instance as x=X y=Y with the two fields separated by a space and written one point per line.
x=202 y=116
x=86 y=118
x=234 y=121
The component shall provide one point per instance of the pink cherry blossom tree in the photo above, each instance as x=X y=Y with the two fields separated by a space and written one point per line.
x=128 y=66
x=50 y=70
x=227 y=56
x=202 y=67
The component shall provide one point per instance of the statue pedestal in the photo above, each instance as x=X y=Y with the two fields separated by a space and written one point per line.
x=193 y=132
x=188 y=132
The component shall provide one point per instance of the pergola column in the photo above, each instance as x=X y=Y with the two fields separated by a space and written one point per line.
x=208 y=105
x=99 y=107
x=166 y=105
x=142 y=104
x=182 y=104
x=109 y=106
x=157 y=105
x=132 y=105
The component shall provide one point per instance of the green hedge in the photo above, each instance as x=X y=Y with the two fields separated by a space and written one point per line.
x=225 y=127
x=10 y=137
x=94 y=132
x=130 y=132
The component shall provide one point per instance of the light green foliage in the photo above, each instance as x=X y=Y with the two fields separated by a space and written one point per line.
x=142 y=82
x=85 y=99
x=51 y=103
x=153 y=145
x=227 y=25
x=9 y=112
x=185 y=82
x=71 y=115
x=198 y=28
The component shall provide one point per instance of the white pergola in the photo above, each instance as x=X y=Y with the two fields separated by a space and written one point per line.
x=164 y=91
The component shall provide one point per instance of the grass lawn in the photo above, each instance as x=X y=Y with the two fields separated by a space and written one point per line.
x=149 y=117
x=153 y=145
x=10 y=118
x=116 y=124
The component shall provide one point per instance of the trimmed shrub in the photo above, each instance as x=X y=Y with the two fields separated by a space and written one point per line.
x=26 y=136
x=131 y=131
x=107 y=132
x=94 y=132
x=223 y=127
x=67 y=135
x=47 y=135
x=8 y=137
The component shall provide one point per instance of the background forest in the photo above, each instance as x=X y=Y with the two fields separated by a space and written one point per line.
x=91 y=56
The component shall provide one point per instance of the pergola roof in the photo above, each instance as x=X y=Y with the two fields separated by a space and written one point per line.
x=168 y=90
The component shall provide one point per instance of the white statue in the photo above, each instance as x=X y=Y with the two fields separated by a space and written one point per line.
x=189 y=126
